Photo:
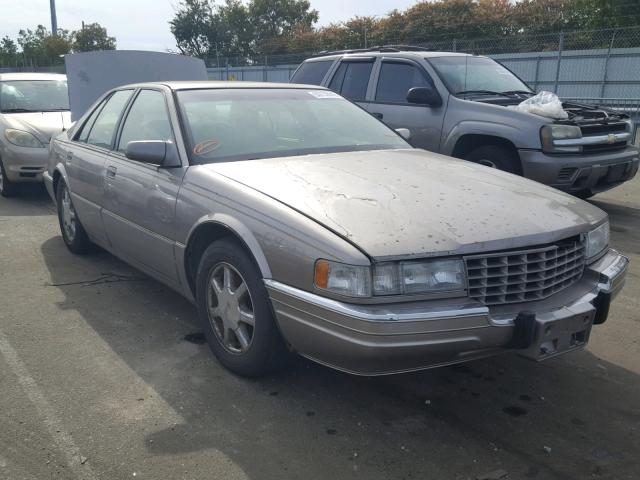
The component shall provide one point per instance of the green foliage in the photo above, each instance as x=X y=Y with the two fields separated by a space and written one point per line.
x=40 y=48
x=92 y=37
x=258 y=27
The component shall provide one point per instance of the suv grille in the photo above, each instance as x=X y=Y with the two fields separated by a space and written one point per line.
x=600 y=128
x=524 y=275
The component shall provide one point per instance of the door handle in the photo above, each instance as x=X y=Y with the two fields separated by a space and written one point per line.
x=69 y=155
x=378 y=115
x=111 y=171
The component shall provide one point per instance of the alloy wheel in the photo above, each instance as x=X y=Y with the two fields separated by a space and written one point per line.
x=230 y=308
x=68 y=215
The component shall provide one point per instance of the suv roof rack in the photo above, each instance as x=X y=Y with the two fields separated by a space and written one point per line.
x=379 y=48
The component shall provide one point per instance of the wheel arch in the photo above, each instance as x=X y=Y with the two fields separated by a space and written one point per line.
x=470 y=141
x=212 y=228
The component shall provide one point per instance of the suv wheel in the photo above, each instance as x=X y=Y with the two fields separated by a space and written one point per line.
x=73 y=233
x=7 y=187
x=235 y=311
x=495 y=156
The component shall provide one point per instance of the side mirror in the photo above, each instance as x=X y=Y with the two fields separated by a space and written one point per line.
x=155 y=152
x=404 y=133
x=427 y=96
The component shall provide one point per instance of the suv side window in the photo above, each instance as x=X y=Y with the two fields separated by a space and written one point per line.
x=104 y=127
x=147 y=119
x=396 y=79
x=351 y=79
x=312 y=73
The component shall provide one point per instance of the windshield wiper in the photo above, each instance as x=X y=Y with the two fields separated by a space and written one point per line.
x=55 y=110
x=481 y=92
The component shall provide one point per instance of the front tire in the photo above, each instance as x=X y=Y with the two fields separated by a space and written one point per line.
x=73 y=233
x=235 y=311
x=7 y=187
x=496 y=156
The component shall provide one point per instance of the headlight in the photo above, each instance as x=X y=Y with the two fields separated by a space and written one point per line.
x=350 y=280
x=424 y=276
x=392 y=278
x=597 y=240
x=550 y=133
x=22 y=138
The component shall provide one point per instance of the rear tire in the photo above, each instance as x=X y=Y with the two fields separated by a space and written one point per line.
x=496 y=156
x=235 y=311
x=7 y=187
x=73 y=233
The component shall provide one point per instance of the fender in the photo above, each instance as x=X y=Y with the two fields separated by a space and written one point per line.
x=474 y=127
x=236 y=227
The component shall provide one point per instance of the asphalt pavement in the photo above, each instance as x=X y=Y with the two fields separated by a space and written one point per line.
x=102 y=376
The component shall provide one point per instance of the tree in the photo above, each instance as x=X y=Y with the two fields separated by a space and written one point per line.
x=276 y=20
x=92 y=37
x=8 y=51
x=42 y=48
x=192 y=27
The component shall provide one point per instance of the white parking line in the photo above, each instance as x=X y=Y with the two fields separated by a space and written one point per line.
x=63 y=440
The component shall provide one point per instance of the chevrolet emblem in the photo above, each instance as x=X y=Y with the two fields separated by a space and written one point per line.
x=611 y=138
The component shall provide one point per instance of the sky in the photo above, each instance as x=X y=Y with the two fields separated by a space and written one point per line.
x=143 y=24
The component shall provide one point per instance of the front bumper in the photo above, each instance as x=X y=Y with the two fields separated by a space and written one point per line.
x=581 y=173
x=393 y=338
x=24 y=164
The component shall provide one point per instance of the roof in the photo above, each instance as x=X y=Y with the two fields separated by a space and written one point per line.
x=31 y=76
x=212 y=84
x=373 y=53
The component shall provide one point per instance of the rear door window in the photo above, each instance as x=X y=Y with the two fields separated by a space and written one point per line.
x=86 y=128
x=104 y=127
x=396 y=79
x=312 y=73
x=351 y=79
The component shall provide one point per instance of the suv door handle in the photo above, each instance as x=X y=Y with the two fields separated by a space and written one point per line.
x=69 y=155
x=378 y=115
x=111 y=171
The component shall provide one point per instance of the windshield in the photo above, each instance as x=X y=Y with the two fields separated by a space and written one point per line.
x=466 y=73
x=33 y=96
x=243 y=124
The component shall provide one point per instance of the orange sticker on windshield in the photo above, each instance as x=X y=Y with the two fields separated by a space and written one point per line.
x=206 y=147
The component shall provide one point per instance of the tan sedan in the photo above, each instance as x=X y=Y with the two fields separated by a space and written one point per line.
x=295 y=221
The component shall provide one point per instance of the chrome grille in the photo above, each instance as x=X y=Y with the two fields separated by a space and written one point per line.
x=524 y=275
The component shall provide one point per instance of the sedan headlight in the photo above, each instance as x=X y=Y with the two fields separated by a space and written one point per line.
x=424 y=276
x=550 y=133
x=597 y=240
x=350 y=280
x=392 y=278
x=22 y=138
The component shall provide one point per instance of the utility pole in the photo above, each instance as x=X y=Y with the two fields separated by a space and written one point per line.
x=54 y=20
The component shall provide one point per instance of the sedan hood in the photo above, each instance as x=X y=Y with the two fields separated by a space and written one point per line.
x=43 y=125
x=412 y=203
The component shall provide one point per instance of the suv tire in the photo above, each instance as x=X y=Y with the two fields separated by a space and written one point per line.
x=235 y=312
x=497 y=157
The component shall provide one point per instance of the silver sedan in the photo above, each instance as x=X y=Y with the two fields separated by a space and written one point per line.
x=33 y=108
x=297 y=222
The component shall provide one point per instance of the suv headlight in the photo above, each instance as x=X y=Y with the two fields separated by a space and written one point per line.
x=22 y=138
x=552 y=137
x=392 y=278
x=597 y=240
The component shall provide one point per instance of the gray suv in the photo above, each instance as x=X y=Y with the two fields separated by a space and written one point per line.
x=457 y=104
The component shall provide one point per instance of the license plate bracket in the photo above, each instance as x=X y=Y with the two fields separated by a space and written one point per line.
x=561 y=332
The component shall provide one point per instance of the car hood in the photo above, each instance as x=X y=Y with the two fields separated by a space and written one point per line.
x=43 y=125
x=412 y=203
